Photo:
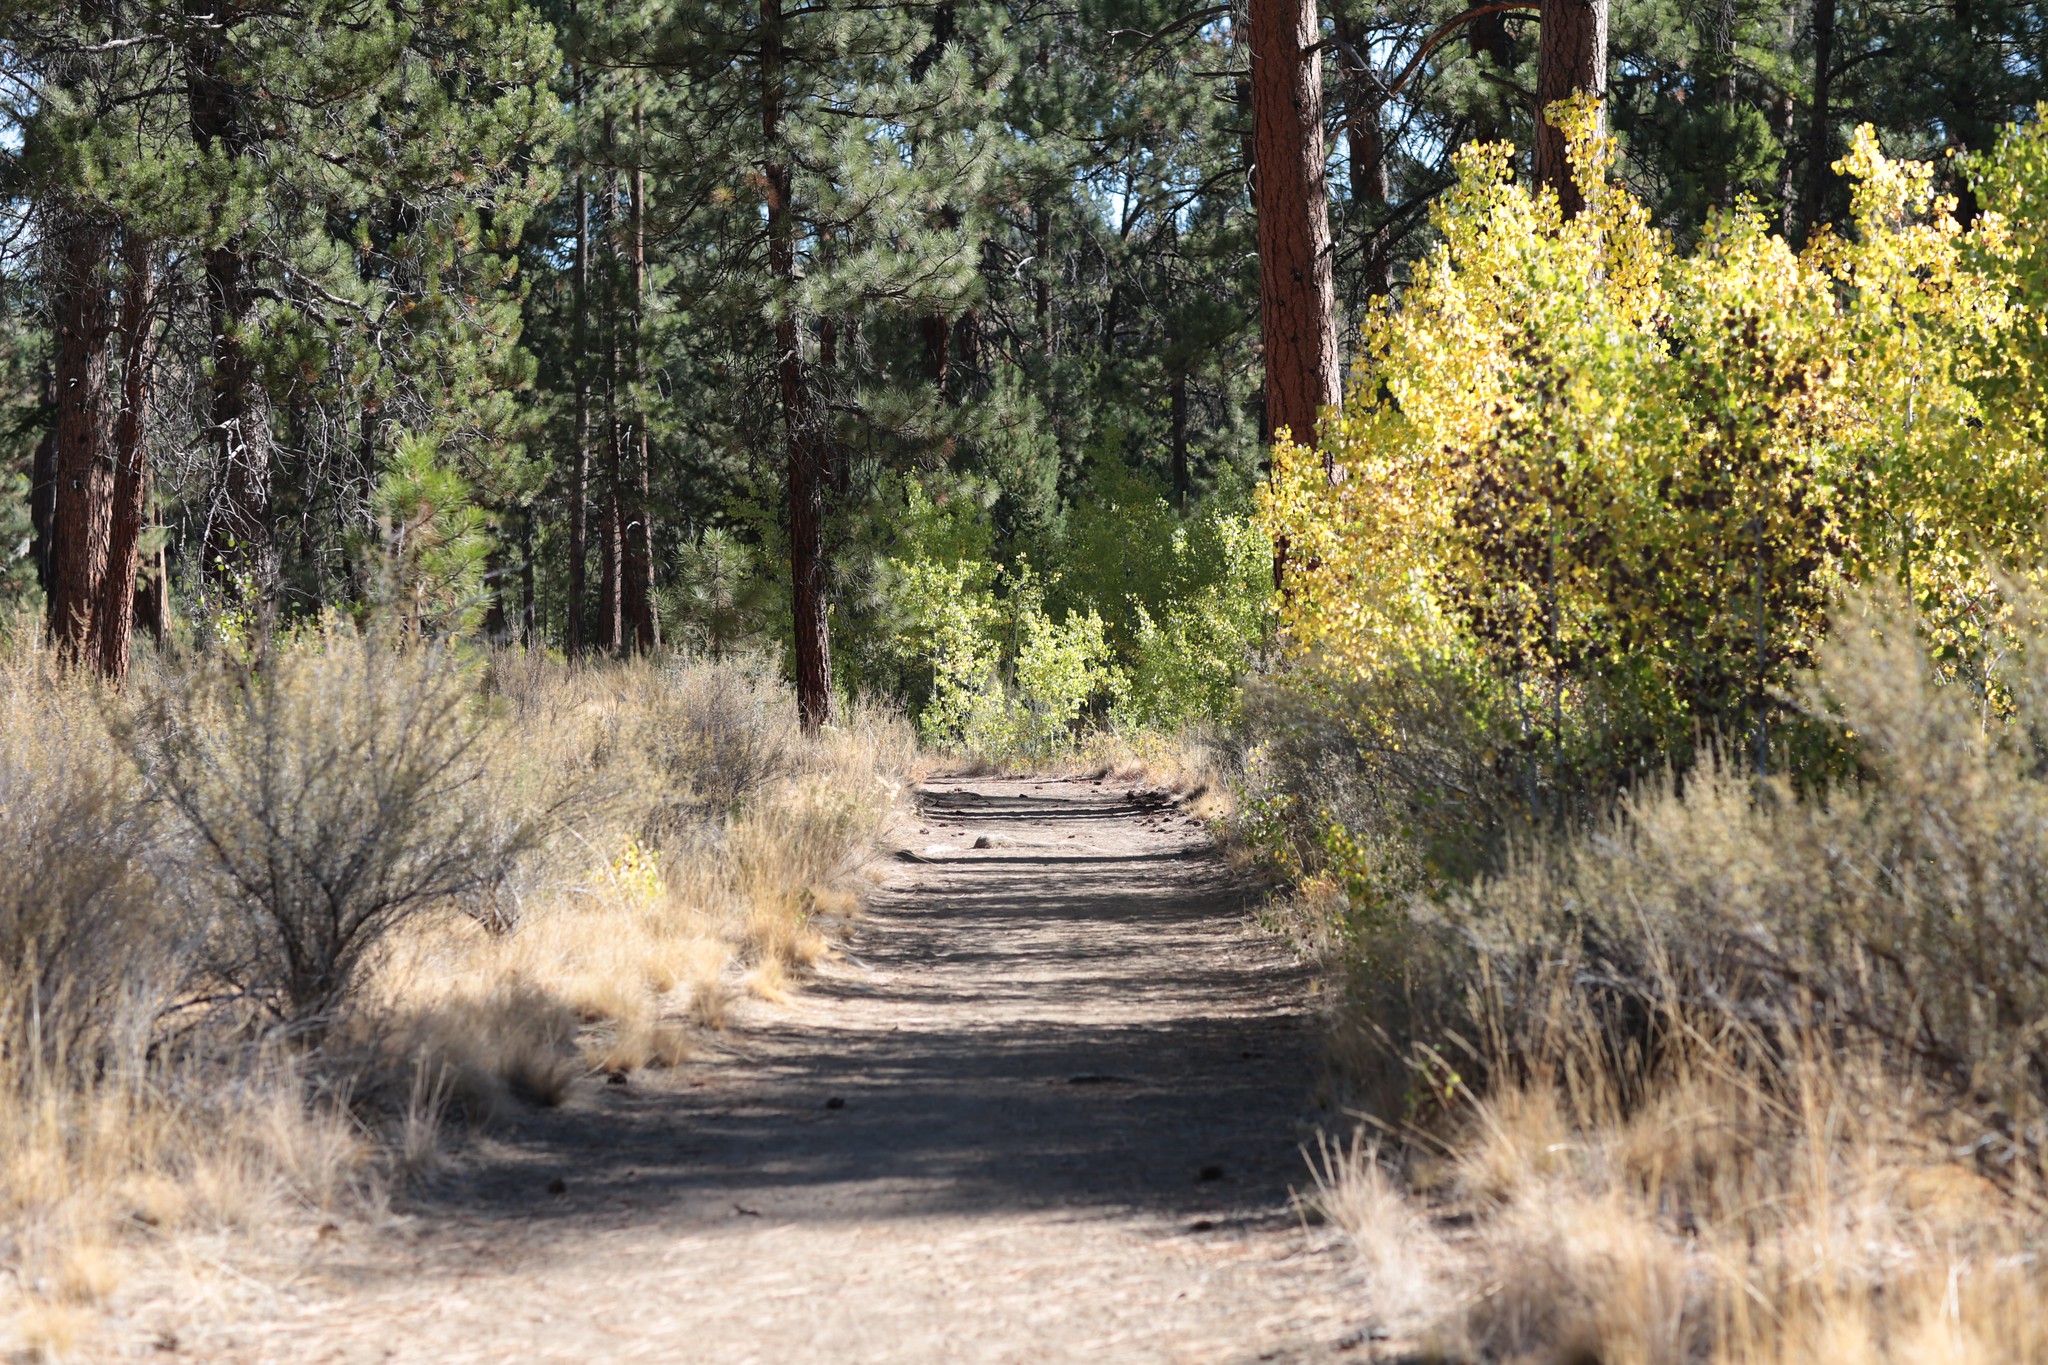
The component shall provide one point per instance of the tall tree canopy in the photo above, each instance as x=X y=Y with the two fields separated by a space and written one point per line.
x=605 y=324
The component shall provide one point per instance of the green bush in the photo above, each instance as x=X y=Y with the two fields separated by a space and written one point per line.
x=1143 y=619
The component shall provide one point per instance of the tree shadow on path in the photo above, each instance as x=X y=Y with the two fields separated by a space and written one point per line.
x=1077 y=1018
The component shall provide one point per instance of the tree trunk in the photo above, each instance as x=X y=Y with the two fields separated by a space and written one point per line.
x=1724 y=89
x=937 y=333
x=529 y=623
x=1297 y=290
x=84 y=482
x=1041 y=246
x=153 y=589
x=640 y=623
x=579 y=459
x=1788 y=180
x=611 y=616
x=115 y=621
x=937 y=328
x=238 y=531
x=1818 y=132
x=1177 y=405
x=811 y=628
x=1041 y=284
x=42 y=487
x=1571 y=57
x=497 y=620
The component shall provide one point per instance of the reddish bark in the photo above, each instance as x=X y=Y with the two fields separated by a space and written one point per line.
x=1571 y=58
x=1297 y=289
x=811 y=626
x=84 y=483
x=115 y=615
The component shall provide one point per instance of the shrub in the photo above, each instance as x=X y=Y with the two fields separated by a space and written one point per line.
x=1008 y=679
x=1148 y=621
x=1897 y=914
x=91 y=950
x=336 y=788
x=1186 y=600
x=692 y=739
x=1615 y=487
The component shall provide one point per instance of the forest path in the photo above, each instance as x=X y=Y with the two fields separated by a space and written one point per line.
x=1044 y=1106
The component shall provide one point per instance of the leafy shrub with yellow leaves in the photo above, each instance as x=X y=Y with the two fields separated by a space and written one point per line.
x=1610 y=490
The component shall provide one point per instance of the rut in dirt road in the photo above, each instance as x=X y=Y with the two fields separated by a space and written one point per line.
x=1046 y=1104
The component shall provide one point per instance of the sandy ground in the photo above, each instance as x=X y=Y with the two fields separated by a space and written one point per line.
x=1045 y=1105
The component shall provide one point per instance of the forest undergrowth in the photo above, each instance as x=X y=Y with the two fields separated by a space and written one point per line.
x=279 y=934
x=1658 y=774
x=1734 y=1072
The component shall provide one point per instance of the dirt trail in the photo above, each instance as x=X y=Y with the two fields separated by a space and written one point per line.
x=1044 y=1107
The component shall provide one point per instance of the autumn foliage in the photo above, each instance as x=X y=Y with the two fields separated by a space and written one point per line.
x=1613 y=486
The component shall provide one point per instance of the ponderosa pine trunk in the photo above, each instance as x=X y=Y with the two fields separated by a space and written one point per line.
x=579 y=458
x=611 y=615
x=114 y=620
x=42 y=487
x=153 y=587
x=642 y=631
x=1297 y=286
x=83 y=482
x=1041 y=247
x=238 y=539
x=811 y=628
x=529 y=616
x=1571 y=59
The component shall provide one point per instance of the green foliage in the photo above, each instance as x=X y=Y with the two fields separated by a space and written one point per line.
x=1061 y=668
x=1144 y=618
x=2012 y=183
x=433 y=544
x=1186 y=600
x=719 y=593
x=1003 y=678
x=953 y=631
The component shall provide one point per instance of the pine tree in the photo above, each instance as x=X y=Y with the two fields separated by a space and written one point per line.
x=1297 y=284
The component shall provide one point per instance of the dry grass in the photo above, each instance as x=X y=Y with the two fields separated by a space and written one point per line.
x=1711 y=1225
x=1742 y=1074
x=575 y=874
